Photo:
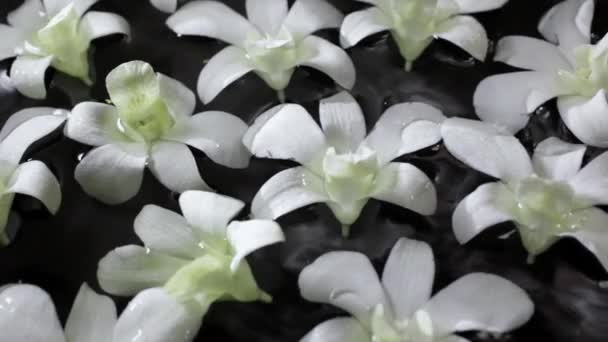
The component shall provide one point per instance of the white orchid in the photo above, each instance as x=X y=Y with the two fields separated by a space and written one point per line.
x=167 y=6
x=400 y=308
x=548 y=196
x=57 y=33
x=566 y=67
x=415 y=23
x=192 y=260
x=149 y=125
x=32 y=178
x=272 y=44
x=340 y=166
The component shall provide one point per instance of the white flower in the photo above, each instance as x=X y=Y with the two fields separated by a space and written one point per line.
x=415 y=23
x=149 y=125
x=193 y=260
x=167 y=6
x=340 y=166
x=400 y=308
x=55 y=33
x=548 y=196
x=32 y=178
x=566 y=67
x=272 y=44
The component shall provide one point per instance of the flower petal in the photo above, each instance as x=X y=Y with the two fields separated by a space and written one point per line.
x=209 y=212
x=361 y=24
x=27 y=17
x=479 y=301
x=346 y=280
x=486 y=148
x=166 y=232
x=180 y=100
x=27 y=313
x=591 y=182
x=246 y=237
x=27 y=75
x=91 y=318
x=132 y=83
x=286 y=132
x=308 y=16
x=287 y=191
x=24 y=115
x=404 y=128
x=556 y=159
x=568 y=23
x=338 y=330
x=267 y=15
x=408 y=276
x=480 y=210
x=406 y=186
x=6 y=202
x=218 y=134
x=36 y=180
x=530 y=53
x=16 y=143
x=586 y=118
x=55 y=6
x=12 y=39
x=330 y=59
x=223 y=68
x=94 y=124
x=211 y=19
x=342 y=122
x=110 y=175
x=507 y=99
x=593 y=235
x=99 y=24
x=129 y=269
x=467 y=33
x=175 y=167
x=475 y=6
x=155 y=316
x=167 y=6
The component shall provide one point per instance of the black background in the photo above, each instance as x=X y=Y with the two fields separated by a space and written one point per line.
x=59 y=252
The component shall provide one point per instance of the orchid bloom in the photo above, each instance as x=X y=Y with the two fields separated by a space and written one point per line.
x=340 y=166
x=149 y=125
x=167 y=6
x=399 y=307
x=566 y=67
x=272 y=44
x=415 y=23
x=32 y=178
x=192 y=260
x=548 y=196
x=57 y=33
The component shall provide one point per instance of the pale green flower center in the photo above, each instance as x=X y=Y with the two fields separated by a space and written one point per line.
x=273 y=56
x=542 y=210
x=414 y=23
x=147 y=118
x=417 y=329
x=349 y=177
x=590 y=74
x=63 y=39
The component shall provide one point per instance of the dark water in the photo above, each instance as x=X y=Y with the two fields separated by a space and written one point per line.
x=59 y=252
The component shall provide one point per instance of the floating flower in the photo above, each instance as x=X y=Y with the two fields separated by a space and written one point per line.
x=400 y=308
x=548 y=197
x=55 y=33
x=272 y=44
x=32 y=178
x=566 y=67
x=340 y=166
x=192 y=260
x=415 y=23
x=149 y=125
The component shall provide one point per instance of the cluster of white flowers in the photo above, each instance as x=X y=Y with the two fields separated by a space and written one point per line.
x=190 y=260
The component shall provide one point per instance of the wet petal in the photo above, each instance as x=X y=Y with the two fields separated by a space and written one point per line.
x=180 y=100
x=267 y=15
x=246 y=237
x=16 y=143
x=27 y=75
x=29 y=17
x=308 y=16
x=24 y=115
x=36 y=180
x=556 y=159
x=91 y=318
x=95 y=124
x=408 y=276
x=361 y=24
x=591 y=183
x=338 y=330
x=175 y=167
x=593 y=235
x=223 y=68
x=474 y=6
x=12 y=38
x=568 y=23
x=467 y=33
x=346 y=280
x=342 y=122
x=209 y=212
x=287 y=191
x=100 y=24
x=330 y=59
x=531 y=53
x=586 y=118
x=55 y=6
x=167 y=6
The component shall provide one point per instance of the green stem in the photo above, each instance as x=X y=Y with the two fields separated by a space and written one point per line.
x=281 y=95
x=408 y=66
x=345 y=230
